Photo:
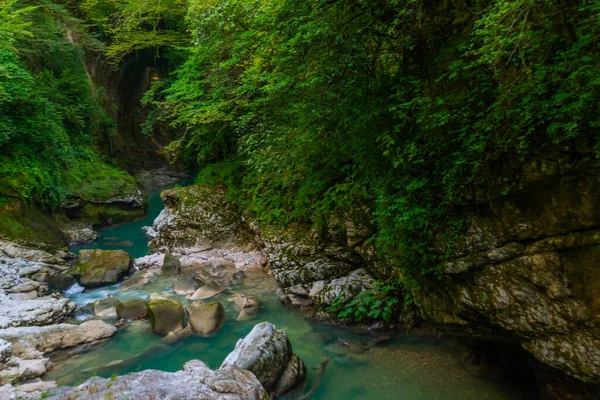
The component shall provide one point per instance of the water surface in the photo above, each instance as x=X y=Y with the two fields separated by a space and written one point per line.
x=405 y=367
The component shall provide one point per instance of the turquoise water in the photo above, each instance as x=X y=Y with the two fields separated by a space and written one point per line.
x=405 y=367
x=129 y=236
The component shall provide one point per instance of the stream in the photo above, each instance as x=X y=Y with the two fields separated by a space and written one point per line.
x=404 y=367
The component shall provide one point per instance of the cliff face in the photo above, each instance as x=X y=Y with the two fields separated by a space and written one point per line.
x=527 y=272
x=124 y=86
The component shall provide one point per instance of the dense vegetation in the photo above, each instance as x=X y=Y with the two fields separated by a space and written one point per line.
x=308 y=108
x=50 y=114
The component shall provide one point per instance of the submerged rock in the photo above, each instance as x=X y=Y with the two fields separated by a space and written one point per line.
x=131 y=309
x=206 y=292
x=165 y=314
x=174 y=337
x=248 y=307
x=101 y=267
x=267 y=351
x=106 y=307
x=194 y=381
x=186 y=285
x=139 y=278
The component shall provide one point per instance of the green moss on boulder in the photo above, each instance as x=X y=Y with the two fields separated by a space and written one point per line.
x=101 y=267
x=166 y=315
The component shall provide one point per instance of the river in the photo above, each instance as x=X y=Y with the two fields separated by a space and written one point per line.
x=405 y=367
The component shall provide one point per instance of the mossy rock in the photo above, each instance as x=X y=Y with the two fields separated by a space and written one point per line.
x=166 y=315
x=101 y=267
x=131 y=309
x=30 y=226
x=171 y=265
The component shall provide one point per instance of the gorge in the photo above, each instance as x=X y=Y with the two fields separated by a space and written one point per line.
x=403 y=196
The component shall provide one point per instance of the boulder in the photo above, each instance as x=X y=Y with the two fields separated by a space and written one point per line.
x=206 y=292
x=194 y=381
x=186 y=285
x=165 y=314
x=266 y=351
x=131 y=309
x=101 y=267
x=171 y=265
x=239 y=277
x=31 y=342
x=40 y=311
x=106 y=307
x=139 y=278
x=294 y=372
x=206 y=319
x=174 y=337
x=248 y=307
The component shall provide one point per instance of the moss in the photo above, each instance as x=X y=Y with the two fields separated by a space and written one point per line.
x=97 y=181
x=29 y=225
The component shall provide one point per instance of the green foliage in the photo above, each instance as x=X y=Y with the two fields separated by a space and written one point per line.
x=49 y=114
x=404 y=106
x=132 y=25
x=379 y=303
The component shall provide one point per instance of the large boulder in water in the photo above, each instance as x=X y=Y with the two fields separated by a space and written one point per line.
x=171 y=265
x=267 y=352
x=101 y=267
x=131 y=309
x=166 y=315
x=206 y=319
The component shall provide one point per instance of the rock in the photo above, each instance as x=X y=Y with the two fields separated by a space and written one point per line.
x=139 y=278
x=79 y=233
x=206 y=319
x=149 y=261
x=248 y=307
x=30 y=345
x=37 y=386
x=206 y=292
x=40 y=311
x=247 y=313
x=194 y=381
x=131 y=309
x=171 y=265
x=101 y=267
x=165 y=314
x=294 y=373
x=266 y=352
x=19 y=370
x=198 y=215
x=106 y=307
x=5 y=351
x=174 y=337
x=186 y=285
x=346 y=287
x=31 y=342
x=239 y=277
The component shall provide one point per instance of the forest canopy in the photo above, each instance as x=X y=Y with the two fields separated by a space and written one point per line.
x=307 y=109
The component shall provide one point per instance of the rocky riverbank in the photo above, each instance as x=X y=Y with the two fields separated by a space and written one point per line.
x=521 y=276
